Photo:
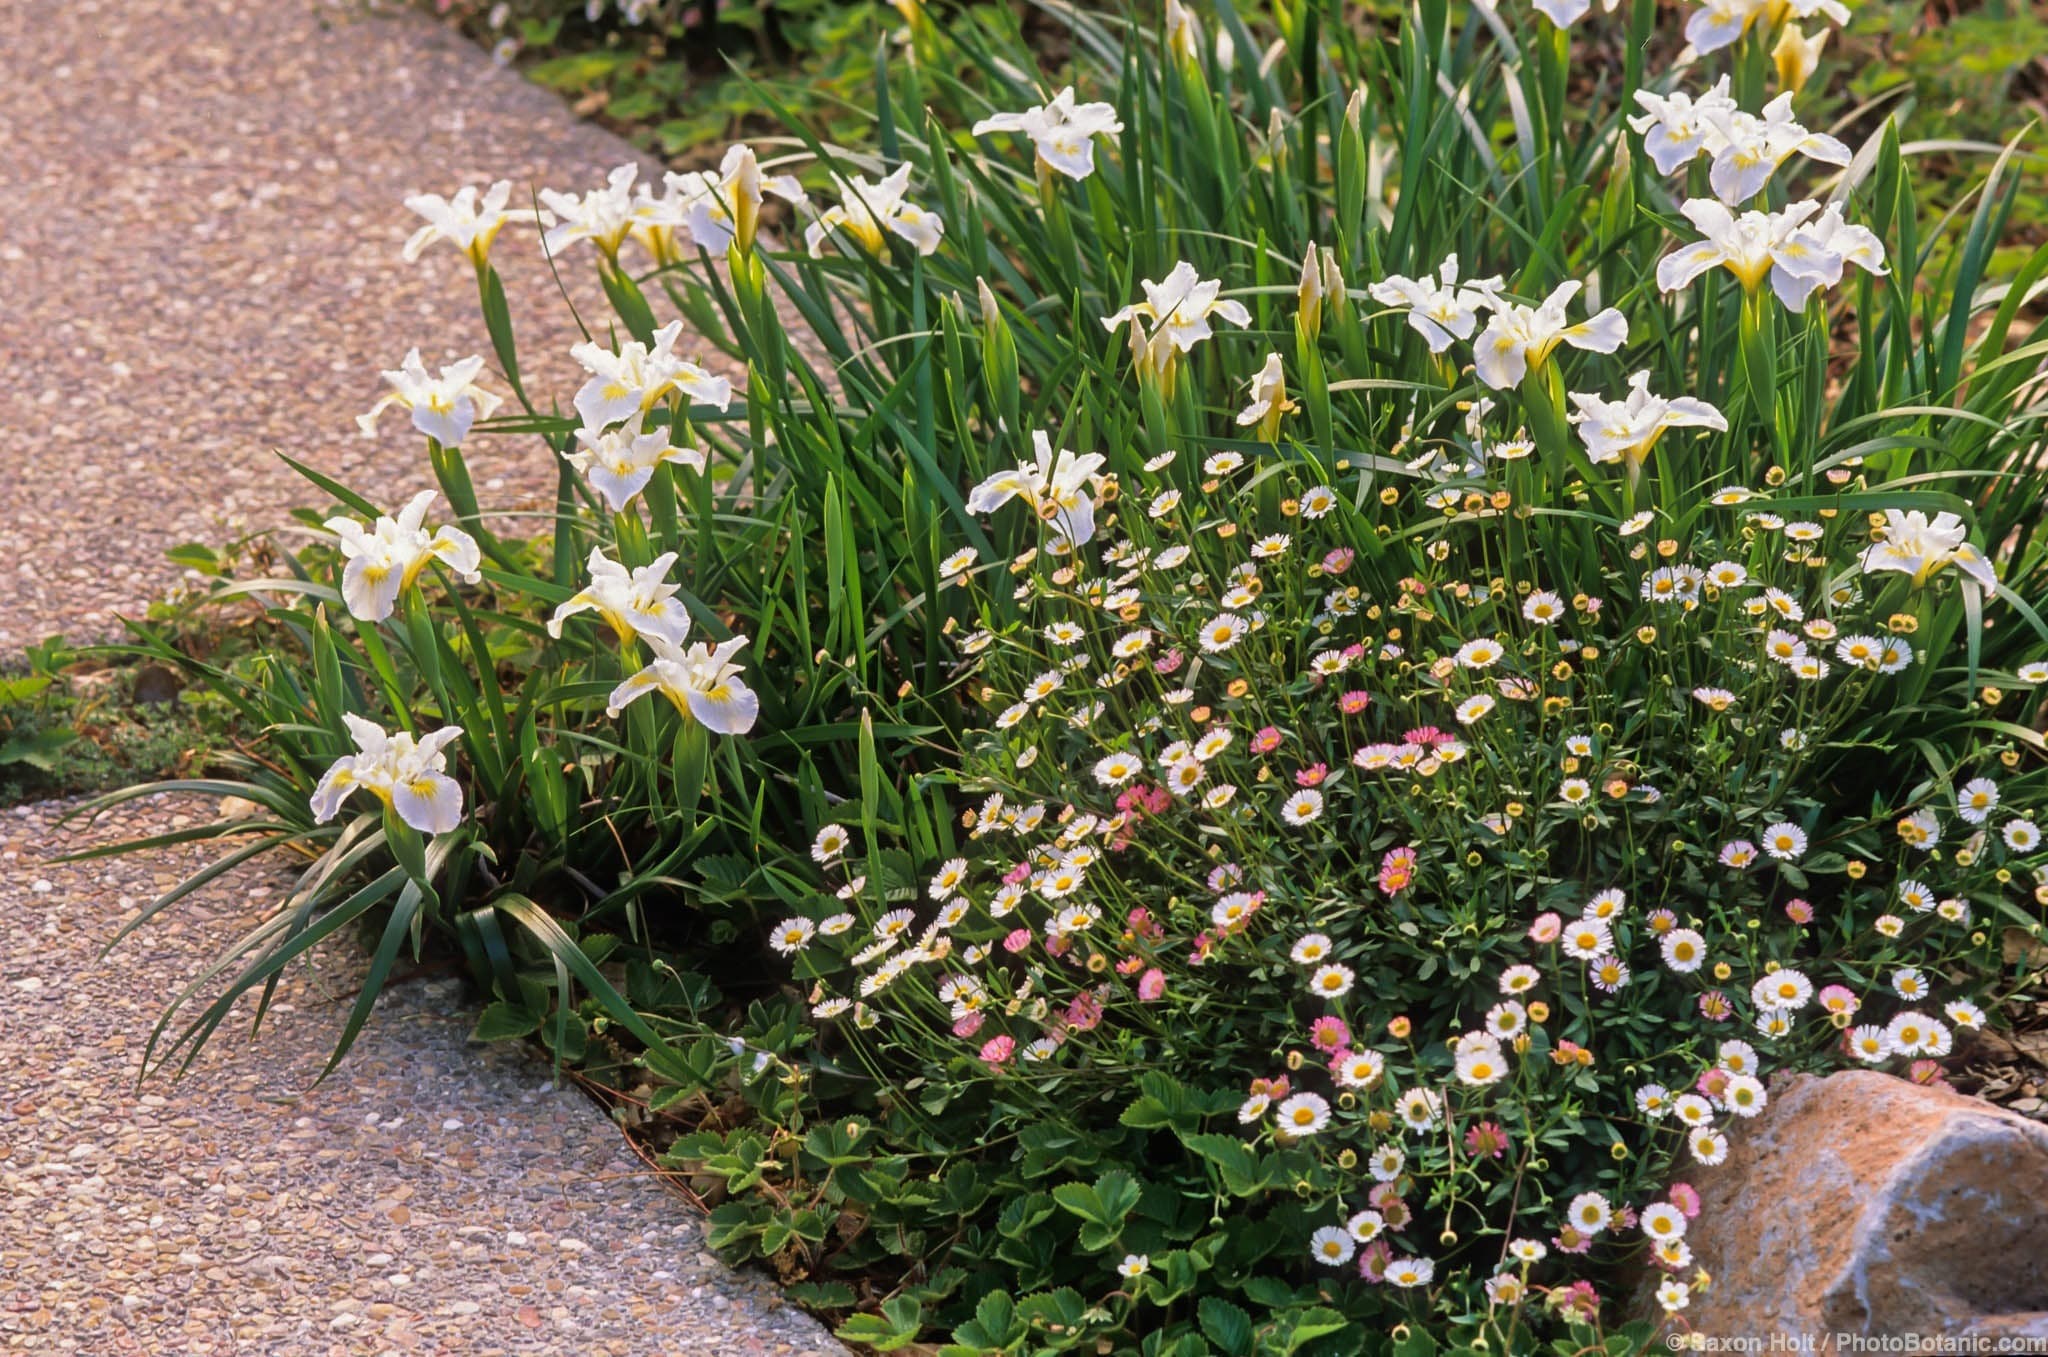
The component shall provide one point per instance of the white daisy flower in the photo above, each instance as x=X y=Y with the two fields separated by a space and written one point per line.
x=1303 y=807
x=1331 y=981
x=1304 y=1114
x=1332 y=1246
x=1310 y=948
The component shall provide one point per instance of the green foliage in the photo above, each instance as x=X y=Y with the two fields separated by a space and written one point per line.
x=677 y=83
x=81 y=720
x=1959 y=81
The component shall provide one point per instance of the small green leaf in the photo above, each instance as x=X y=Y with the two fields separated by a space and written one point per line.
x=1228 y=1327
x=195 y=556
x=37 y=750
x=504 y=1022
x=896 y=1327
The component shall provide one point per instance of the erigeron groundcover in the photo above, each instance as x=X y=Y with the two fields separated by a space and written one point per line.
x=1329 y=647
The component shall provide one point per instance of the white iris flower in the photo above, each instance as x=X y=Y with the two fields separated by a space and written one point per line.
x=865 y=210
x=713 y=207
x=1179 y=308
x=1062 y=131
x=1441 y=308
x=384 y=558
x=633 y=603
x=1520 y=338
x=1799 y=249
x=1057 y=489
x=443 y=408
x=1914 y=546
x=628 y=383
x=1626 y=430
x=405 y=774
x=604 y=216
x=1675 y=127
x=620 y=462
x=1748 y=149
x=702 y=682
x=1565 y=13
x=467 y=223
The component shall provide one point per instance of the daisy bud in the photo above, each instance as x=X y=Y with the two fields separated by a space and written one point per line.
x=1539 y=1012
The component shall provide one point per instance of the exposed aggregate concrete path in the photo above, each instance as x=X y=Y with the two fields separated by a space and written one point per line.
x=202 y=270
x=201 y=266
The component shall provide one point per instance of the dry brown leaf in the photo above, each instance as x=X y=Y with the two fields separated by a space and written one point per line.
x=2022 y=948
x=2004 y=1047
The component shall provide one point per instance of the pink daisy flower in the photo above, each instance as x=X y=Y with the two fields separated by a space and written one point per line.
x=1397 y=870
